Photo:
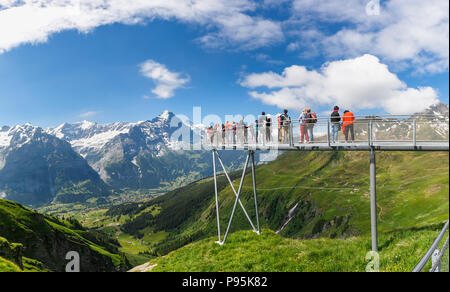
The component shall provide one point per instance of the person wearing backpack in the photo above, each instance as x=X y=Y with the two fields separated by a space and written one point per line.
x=335 y=120
x=303 y=120
x=285 y=123
x=312 y=120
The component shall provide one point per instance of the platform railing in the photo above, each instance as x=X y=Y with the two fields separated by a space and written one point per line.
x=365 y=129
x=434 y=253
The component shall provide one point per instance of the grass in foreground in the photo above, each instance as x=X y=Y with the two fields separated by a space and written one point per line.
x=245 y=251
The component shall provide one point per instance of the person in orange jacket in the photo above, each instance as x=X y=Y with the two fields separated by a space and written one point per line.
x=348 y=125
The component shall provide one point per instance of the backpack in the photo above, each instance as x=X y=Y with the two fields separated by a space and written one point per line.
x=268 y=122
x=313 y=118
x=285 y=119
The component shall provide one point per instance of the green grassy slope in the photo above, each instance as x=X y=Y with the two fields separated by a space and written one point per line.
x=331 y=191
x=269 y=252
x=44 y=240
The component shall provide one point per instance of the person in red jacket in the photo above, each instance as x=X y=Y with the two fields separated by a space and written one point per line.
x=348 y=125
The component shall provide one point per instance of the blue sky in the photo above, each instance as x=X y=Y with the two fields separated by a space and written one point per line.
x=258 y=56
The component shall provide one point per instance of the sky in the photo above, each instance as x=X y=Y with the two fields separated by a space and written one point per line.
x=115 y=60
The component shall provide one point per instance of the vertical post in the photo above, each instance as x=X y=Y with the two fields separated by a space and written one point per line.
x=415 y=132
x=373 y=200
x=369 y=133
x=215 y=190
x=328 y=132
x=254 y=192
x=291 y=135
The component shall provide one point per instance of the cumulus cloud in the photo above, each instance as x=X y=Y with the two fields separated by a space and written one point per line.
x=359 y=83
x=226 y=22
x=412 y=31
x=165 y=80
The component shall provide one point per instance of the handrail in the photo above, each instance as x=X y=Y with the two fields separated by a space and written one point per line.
x=419 y=267
x=411 y=131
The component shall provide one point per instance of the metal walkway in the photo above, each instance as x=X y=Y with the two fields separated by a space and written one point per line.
x=376 y=133
x=356 y=146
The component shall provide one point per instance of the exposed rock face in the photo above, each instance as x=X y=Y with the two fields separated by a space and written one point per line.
x=38 y=168
x=11 y=251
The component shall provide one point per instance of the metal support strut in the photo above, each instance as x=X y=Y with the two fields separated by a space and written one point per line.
x=251 y=155
x=373 y=200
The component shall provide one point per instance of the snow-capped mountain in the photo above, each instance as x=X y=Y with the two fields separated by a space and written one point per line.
x=431 y=125
x=89 y=138
x=37 y=168
x=86 y=158
x=121 y=152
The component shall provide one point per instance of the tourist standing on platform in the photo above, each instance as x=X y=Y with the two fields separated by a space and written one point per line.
x=348 y=125
x=223 y=134
x=216 y=133
x=209 y=134
x=240 y=131
x=312 y=120
x=268 y=128
x=335 y=124
x=245 y=129
x=255 y=131
x=303 y=119
x=227 y=132
x=233 y=130
x=285 y=124
x=261 y=124
x=279 y=127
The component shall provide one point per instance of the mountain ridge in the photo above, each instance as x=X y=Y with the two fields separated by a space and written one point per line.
x=125 y=156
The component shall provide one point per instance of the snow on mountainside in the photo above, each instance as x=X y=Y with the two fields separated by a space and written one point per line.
x=16 y=137
x=131 y=154
x=37 y=168
x=90 y=138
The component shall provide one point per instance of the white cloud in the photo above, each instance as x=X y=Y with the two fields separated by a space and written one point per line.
x=243 y=31
x=359 y=83
x=226 y=22
x=88 y=114
x=413 y=31
x=165 y=80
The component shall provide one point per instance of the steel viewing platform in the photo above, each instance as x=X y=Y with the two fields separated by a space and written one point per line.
x=367 y=133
